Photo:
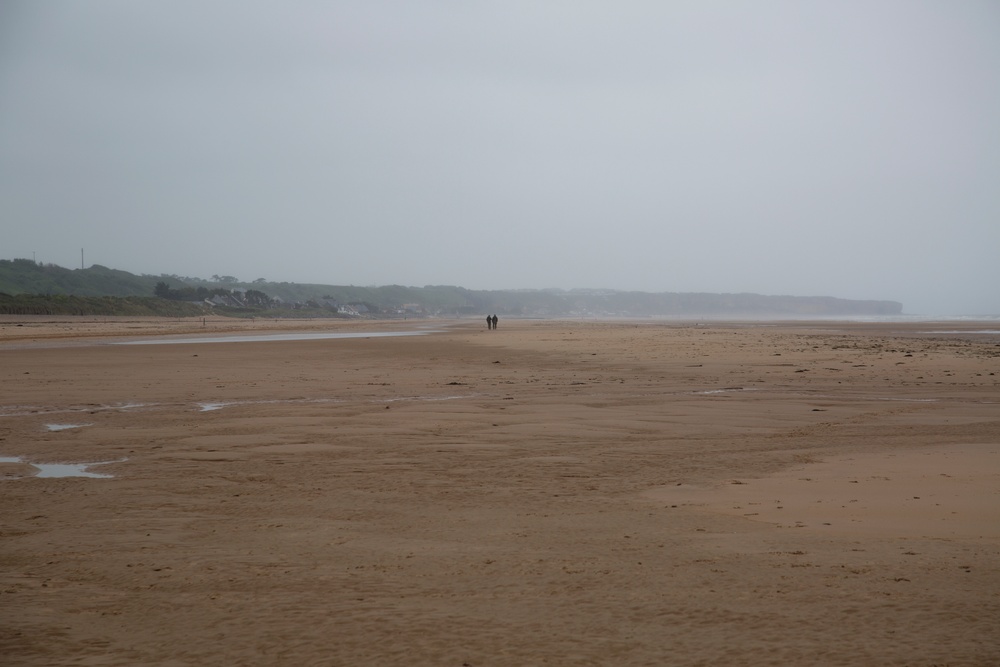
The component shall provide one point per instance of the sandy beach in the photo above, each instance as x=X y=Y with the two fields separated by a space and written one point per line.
x=549 y=493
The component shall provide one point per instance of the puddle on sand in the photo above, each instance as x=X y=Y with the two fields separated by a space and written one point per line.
x=62 y=469
x=208 y=407
x=70 y=470
x=27 y=410
x=423 y=398
x=259 y=338
x=725 y=390
x=63 y=427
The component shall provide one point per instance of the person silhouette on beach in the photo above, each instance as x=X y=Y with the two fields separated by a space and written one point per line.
x=494 y=321
x=489 y=322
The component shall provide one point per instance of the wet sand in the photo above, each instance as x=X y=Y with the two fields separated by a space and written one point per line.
x=550 y=493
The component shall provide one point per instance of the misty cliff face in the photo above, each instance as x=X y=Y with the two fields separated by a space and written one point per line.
x=678 y=304
x=758 y=304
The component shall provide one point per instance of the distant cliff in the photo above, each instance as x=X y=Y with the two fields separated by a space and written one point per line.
x=681 y=304
x=25 y=277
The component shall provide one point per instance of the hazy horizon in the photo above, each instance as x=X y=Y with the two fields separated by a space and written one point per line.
x=832 y=149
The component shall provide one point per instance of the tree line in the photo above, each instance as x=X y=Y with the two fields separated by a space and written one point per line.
x=251 y=298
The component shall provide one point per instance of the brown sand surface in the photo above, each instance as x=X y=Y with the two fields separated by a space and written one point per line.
x=550 y=493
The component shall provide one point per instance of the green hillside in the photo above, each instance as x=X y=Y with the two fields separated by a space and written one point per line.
x=62 y=304
x=21 y=277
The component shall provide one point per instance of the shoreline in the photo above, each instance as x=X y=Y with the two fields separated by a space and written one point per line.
x=33 y=327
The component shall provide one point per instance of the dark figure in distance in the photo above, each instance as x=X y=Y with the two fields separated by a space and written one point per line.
x=489 y=322
x=494 y=321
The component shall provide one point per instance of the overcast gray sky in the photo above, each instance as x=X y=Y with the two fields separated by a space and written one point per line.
x=834 y=148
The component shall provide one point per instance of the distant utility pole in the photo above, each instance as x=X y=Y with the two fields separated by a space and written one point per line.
x=81 y=258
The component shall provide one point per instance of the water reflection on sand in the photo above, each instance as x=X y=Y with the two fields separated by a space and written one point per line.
x=61 y=469
x=258 y=338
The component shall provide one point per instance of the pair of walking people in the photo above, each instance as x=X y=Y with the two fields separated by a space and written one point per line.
x=491 y=321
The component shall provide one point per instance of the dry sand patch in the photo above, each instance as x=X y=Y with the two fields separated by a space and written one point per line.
x=490 y=498
x=942 y=492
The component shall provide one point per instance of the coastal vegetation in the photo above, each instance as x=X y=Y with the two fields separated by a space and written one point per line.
x=27 y=287
x=71 y=304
